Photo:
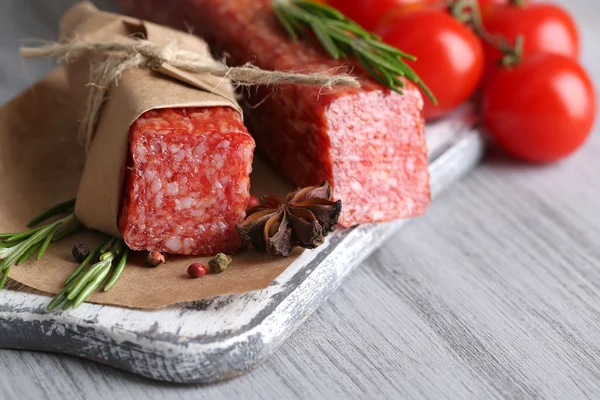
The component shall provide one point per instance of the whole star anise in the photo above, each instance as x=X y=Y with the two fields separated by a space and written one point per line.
x=303 y=219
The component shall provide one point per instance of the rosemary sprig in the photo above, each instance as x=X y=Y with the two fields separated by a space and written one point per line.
x=111 y=256
x=342 y=38
x=16 y=248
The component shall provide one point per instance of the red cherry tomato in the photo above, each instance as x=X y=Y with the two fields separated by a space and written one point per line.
x=450 y=57
x=368 y=12
x=485 y=3
x=395 y=12
x=486 y=6
x=542 y=109
x=546 y=28
x=391 y=16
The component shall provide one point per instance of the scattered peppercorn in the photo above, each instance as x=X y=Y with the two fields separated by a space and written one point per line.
x=219 y=263
x=196 y=270
x=80 y=252
x=253 y=201
x=155 y=258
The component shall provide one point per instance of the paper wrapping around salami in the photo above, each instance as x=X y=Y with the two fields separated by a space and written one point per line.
x=135 y=92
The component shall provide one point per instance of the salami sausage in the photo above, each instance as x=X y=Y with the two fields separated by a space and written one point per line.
x=187 y=181
x=368 y=142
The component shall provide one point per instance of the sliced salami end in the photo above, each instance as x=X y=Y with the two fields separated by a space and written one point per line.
x=379 y=156
x=369 y=145
x=187 y=181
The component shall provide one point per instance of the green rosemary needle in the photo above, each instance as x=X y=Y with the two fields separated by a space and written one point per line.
x=342 y=38
x=111 y=256
x=16 y=248
x=60 y=208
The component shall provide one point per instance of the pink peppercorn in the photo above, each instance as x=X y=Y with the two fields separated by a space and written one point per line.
x=253 y=201
x=196 y=270
x=155 y=258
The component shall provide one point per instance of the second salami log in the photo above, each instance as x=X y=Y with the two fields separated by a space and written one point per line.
x=368 y=142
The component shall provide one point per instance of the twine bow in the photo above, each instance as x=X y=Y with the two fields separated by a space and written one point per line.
x=146 y=55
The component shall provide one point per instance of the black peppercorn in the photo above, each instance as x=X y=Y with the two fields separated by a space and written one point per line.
x=80 y=252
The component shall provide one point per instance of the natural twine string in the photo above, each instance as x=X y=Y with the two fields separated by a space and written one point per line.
x=146 y=55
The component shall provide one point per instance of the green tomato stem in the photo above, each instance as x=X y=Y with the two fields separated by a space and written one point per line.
x=468 y=11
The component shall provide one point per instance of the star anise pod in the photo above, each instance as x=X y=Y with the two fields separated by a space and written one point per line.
x=303 y=219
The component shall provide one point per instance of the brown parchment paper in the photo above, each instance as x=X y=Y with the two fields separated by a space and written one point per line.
x=41 y=164
x=135 y=92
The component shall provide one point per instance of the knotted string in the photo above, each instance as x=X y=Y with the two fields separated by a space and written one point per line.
x=144 y=54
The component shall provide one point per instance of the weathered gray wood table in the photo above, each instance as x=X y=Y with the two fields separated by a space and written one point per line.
x=493 y=294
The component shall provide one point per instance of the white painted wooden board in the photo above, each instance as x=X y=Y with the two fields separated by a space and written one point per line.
x=493 y=294
x=219 y=338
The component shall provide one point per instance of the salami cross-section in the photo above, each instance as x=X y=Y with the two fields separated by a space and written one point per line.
x=187 y=181
x=368 y=142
